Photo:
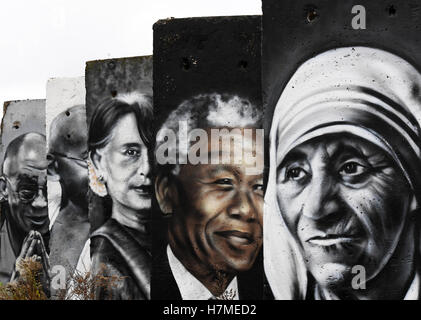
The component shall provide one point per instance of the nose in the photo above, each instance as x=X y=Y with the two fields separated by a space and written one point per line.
x=144 y=165
x=40 y=201
x=242 y=207
x=321 y=198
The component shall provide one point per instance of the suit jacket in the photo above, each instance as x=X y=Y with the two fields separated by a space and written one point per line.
x=164 y=286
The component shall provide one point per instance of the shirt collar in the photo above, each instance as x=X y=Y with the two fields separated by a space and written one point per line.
x=414 y=289
x=191 y=288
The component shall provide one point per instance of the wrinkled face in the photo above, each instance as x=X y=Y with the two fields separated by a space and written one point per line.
x=345 y=202
x=69 y=150
x=126 y=166
x=27 y=191
x=221 y=211
x=73 y=170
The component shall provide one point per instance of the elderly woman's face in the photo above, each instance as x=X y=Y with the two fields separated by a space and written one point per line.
x=345 y=202
x=125 y=161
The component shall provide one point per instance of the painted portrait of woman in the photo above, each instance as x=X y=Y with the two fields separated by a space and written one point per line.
x=342 y=202
x=120 y=142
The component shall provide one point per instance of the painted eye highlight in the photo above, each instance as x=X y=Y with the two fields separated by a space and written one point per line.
x=258 y=189
x=295 y=173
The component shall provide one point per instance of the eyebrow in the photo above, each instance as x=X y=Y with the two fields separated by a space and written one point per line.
x=294 y=155
x=131 y=144
x=218 y=168
x=343 y=150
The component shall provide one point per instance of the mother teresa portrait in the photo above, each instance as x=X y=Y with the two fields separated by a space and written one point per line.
x=343 y=194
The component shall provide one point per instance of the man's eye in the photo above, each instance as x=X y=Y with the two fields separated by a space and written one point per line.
x=352 y=169
x=27 y=194
x=224 y=181
x=296 y=173
x=258 y=188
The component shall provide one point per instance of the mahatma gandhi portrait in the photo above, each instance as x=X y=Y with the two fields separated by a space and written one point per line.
x=342 y=198
x=214 y=208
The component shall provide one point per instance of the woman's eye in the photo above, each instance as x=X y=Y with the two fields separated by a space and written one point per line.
x=295 y=173
x=132 y=152
x=352 y=169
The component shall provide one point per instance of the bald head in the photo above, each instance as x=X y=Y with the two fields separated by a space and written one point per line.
x=68 y=133
x=68 y=152
x=28 y=150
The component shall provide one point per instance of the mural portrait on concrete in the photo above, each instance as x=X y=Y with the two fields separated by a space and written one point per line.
x=120 y=143
x=120 y=139
x=23 y=191
x=214 y=231
x=67 y=171
x=342 y=199
x=207 y=232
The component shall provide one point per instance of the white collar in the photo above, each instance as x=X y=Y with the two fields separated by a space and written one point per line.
x=191 y=288
x=414 y=289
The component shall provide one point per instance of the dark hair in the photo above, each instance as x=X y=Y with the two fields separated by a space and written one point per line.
x=109 y=111
x=103 y=120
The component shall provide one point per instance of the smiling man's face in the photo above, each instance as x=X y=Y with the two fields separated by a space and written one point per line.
x=345 y=201
x=219 y=220
x=26 y=175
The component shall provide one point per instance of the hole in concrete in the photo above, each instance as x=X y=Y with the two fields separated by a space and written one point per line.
x=16 y=125
x=243 y=64
x=391 y=10
x=312 y=14
x=111 y=65
x=67 y=113
x=113 y=93
x=185 y=64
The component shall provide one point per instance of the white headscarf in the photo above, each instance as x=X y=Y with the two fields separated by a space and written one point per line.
x=364 y=91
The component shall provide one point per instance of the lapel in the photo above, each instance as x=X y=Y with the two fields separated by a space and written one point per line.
x=250 y=283
x=163 y=285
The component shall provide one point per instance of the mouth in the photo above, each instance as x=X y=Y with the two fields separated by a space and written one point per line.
x=332 y=239
x=237 y=237
x=38 y=220
x=143 y=190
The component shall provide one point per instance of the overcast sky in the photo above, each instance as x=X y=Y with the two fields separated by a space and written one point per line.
x=41 y=39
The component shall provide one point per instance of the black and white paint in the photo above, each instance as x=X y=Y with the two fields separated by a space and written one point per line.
x=67 y=156
x=342 y=200
x=120 y=143
x=23 y=190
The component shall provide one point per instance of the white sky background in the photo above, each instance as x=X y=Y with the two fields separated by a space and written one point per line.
x=42 y=39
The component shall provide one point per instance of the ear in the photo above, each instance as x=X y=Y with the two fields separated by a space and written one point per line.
x=3 y=189
x=52 y=170
x=96 y=159
x=166 y=194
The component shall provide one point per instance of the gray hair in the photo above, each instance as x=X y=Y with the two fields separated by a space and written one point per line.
x=206 y=111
